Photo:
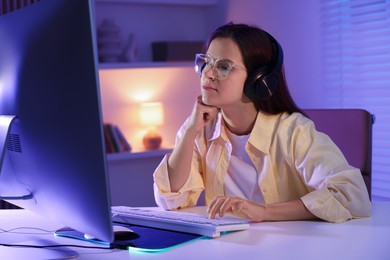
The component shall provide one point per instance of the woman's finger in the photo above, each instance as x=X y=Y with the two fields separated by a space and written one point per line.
x=215 y=206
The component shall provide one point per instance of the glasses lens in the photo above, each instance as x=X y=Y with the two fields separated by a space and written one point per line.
x=223 y=68
x=200 y=62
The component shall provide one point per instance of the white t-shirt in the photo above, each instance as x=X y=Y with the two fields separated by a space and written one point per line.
x=242 y=178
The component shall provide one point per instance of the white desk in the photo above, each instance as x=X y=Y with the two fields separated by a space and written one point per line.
x=367 y=238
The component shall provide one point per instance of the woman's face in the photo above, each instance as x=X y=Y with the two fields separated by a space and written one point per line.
x=230 y=91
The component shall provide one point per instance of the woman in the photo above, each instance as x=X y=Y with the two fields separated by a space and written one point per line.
x=249 y=146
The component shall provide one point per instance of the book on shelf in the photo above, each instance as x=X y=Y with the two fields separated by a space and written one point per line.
x=114 y=139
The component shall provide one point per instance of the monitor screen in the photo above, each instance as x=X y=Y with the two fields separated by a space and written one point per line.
x=53 y=159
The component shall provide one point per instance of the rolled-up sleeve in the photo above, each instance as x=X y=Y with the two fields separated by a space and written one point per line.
x=340 y=197
x=337 y=189
x=187 y=196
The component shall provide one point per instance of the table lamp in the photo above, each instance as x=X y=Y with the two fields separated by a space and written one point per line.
x=151 y=115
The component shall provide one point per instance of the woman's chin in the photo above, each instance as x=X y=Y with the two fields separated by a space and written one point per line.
x=206 y=100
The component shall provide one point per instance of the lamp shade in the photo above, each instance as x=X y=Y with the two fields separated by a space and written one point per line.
x=151 y=114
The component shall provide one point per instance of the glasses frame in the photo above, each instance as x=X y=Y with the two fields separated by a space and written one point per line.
x=210 y=62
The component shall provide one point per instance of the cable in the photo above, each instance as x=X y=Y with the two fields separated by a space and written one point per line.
x=54 y=246
x=13 y=231
x=111 y=247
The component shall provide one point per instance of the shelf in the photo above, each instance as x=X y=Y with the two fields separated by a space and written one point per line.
x=115 y=157
x=146 y=64
x=163 y=2
x=149 y=21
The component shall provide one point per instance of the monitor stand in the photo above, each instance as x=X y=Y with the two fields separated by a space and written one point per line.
x=9 y=192
x=5 y=126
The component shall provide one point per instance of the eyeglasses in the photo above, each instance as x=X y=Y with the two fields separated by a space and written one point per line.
x=221 y=67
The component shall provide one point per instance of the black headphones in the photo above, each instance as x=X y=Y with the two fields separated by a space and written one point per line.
x=261 y=84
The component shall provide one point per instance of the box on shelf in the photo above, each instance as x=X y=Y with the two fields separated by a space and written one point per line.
x=176 y=50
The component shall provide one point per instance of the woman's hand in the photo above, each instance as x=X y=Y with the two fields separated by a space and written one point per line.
x=282 y=211
x=236 y=206
x=201 y=115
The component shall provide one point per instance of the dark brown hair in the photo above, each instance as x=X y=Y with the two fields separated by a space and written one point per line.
x=257 y=50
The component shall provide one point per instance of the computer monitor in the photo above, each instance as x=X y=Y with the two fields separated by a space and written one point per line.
x=53 y=160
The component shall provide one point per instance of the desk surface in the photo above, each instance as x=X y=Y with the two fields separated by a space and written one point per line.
x=367 y=238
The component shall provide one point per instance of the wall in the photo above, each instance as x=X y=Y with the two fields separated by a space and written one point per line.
x=296 y=25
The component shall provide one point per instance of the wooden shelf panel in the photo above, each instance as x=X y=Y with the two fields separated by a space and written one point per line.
x=112 y=157
x=164 y=2
x=134 y=65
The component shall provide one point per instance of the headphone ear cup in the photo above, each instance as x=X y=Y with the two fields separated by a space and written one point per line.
x=260 y=84
x=263 y=82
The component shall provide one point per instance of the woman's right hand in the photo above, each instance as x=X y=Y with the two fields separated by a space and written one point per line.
x=201 y=115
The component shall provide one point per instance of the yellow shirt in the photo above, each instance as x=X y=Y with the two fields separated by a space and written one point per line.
x=293 y=160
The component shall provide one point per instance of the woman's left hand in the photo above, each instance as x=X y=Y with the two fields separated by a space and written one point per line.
x=236 y=206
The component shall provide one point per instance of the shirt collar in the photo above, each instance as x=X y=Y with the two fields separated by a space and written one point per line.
x=263 y=131
x=215 y=128
x=261 y=135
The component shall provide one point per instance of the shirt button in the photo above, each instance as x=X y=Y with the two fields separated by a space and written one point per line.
x=264 y=190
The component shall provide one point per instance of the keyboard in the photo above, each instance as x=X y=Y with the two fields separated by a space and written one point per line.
x=178 y=221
